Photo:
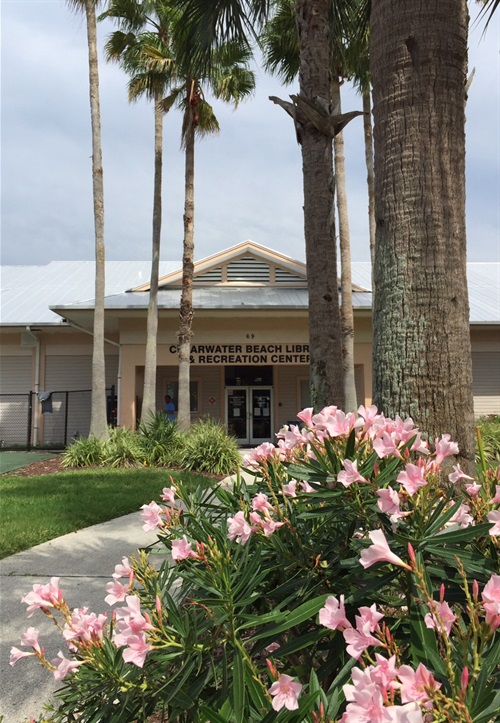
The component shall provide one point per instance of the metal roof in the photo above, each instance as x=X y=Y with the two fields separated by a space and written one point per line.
x=29 y=291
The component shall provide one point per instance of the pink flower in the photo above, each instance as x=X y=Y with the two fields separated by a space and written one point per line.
x=270 y=526
x=306 y=487
x=260 y=454
x=491 y=601
x=16 y=655
x=239 y=529
x=494 y=518
x=441 y=616
x=417 y=684
x=44 y=596
x=407 y=713
x=30 y=638
x=306 y=416
x=84 y=627
x=130 y=621
x=385 y=446
x=359 y=639
x=461 y=517
x=472 y=489
x=151 y=516
x=332 y=615
x=389 y=504
x=260 y=503
x=496 y=499
x=181 y=549
x=444 y=448
x=368 y=616
x=136 y=650
x=350 y=473
x=123 y=569
x=366 y=699
x=457 y=474
x=168 y=494
x=116 y=592
x=64 y=666
x=412 y=478
x=380 y=552
x=385 y=672
x=285 y=693
x=290 y=489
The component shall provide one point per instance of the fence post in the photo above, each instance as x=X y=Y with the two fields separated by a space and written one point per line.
x=30 y=419
x=66 y=421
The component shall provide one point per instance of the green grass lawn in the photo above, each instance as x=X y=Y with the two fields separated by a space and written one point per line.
x=37 y=509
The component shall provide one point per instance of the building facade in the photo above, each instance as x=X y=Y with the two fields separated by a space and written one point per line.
x=249 y=354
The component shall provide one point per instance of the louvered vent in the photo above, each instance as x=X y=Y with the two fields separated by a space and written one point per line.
x=248 y=269
x=214 y=276
x=285 y=277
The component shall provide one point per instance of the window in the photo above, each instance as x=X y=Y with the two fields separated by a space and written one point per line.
x=172 y=389
x=305 y=394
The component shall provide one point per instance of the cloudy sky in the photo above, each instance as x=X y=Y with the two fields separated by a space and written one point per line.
x=248 y=179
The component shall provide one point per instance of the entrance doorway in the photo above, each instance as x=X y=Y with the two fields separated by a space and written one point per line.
x=249 y=415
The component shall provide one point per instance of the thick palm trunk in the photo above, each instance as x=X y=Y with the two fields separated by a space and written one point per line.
x=346 y=313
x=186 y=307
x=98 y=420
x=370 y=171
x=149 y=394
x=422 y=357
x=325 y=338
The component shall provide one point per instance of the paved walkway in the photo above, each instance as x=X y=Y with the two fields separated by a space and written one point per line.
x=85 y=561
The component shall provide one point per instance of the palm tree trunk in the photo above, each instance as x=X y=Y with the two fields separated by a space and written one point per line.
x=346 y=313
x=370 y=171
x=149 y=394
x=186 y=306
x=422 y=355
x=325 y=337
x=98 y=419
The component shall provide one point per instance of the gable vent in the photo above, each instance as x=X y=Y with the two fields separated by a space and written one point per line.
x=248 y=269
x=285 y=277
x=213 y=276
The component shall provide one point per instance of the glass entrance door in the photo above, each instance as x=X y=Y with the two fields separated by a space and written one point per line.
x=249 y=414
x=260 y=418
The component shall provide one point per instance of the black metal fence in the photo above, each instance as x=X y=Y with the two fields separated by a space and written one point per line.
x=59 y=418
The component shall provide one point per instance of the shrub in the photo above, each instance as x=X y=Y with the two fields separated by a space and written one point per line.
x=352 y=579
x=207 y=447
x=160 y=441
x=83 y=452
x=489 y=438
x=122 y=449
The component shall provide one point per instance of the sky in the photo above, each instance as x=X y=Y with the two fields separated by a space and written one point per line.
x=248 y=182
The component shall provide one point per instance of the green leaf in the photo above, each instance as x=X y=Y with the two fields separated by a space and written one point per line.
x=491 y=712
x=456 y=535
x=304 y=612
x=211 y=716
x=423 y=641
x=484 y=684
x=349 y=450
x=238 y=688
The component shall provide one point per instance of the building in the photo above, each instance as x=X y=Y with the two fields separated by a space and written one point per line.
x=249 y=349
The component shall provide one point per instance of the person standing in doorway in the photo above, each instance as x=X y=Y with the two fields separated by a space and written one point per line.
x=169 y=408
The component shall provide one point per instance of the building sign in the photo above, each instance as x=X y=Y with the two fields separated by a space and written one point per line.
x=245 y=354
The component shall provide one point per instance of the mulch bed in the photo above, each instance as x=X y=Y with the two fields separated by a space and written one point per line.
x=46 y=466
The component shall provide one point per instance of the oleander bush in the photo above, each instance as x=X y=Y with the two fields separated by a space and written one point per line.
x=353 y=581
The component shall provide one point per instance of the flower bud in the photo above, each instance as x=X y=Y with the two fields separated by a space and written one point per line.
x=464 y=678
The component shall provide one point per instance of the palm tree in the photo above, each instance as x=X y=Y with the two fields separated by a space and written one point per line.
x=230 y=79
x=98 y=418
x=143 y=48
x=422 y=356
x=281 y=55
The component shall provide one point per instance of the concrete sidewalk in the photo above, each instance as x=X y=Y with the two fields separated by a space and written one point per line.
x=85 y=561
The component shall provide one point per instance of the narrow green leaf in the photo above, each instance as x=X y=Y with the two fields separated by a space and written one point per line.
x=238 y=688
x=304 y=612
